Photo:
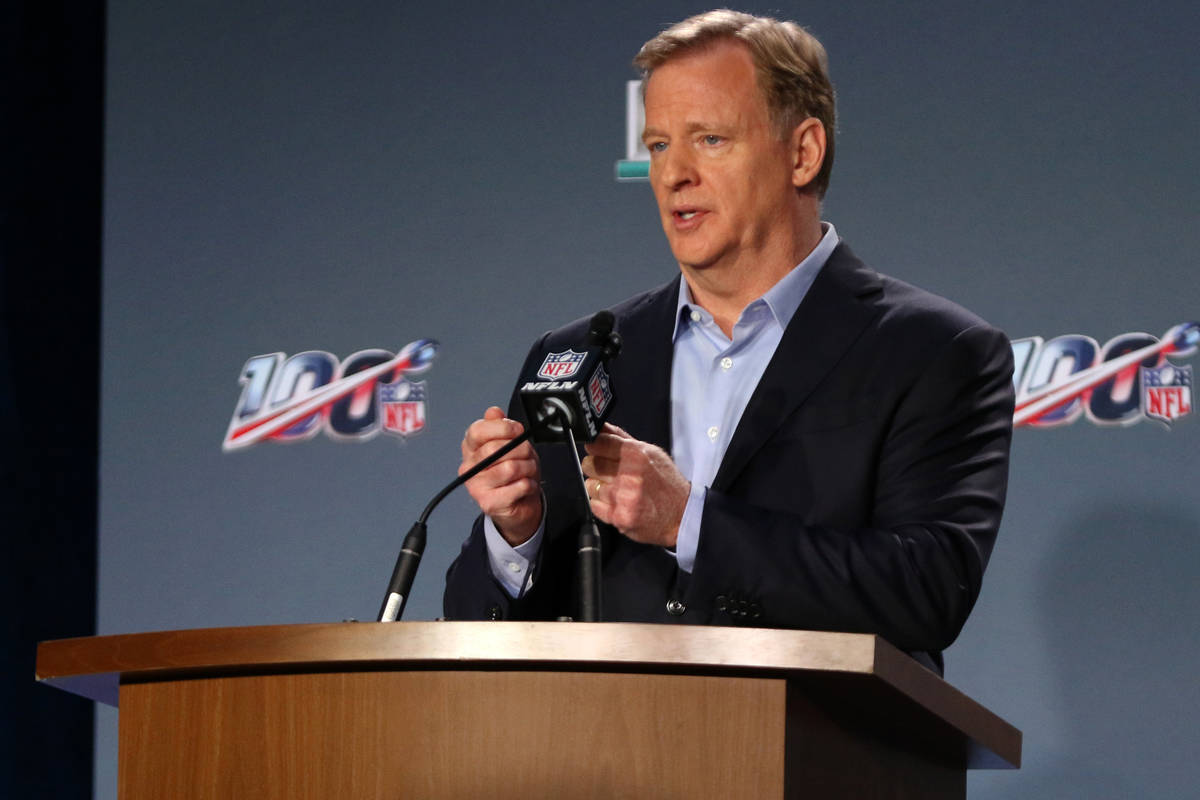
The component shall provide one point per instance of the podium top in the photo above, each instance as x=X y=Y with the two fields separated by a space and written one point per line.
x=94 y=667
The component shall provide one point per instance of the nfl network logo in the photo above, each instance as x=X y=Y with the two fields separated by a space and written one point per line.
x=599 y=391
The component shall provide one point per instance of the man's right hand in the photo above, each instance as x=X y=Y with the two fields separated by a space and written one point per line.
x=508 y=491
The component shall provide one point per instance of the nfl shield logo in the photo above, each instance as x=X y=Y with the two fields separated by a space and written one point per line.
x=599 y=391
x=561 y=365
x=1167 y=392
x=403 y=407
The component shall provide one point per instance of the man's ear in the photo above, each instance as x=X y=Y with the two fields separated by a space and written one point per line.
x=808 y=151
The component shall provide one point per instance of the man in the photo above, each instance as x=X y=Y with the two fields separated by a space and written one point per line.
x=798 y=441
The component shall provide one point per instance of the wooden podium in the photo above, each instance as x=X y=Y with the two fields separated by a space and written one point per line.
x=527 y=710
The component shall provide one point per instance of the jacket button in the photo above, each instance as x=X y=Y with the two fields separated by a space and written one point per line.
x=722 y=603
x=675 y=608
x=495 y=613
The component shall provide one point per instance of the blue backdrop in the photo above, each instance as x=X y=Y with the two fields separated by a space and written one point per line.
x=286 y=177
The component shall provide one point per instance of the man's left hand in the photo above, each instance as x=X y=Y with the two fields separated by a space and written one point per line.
x=635 y=487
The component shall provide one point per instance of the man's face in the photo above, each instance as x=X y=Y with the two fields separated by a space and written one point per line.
x=722 y=178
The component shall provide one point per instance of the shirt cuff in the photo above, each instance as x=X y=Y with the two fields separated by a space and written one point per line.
x=688 y=539
x=511 y=565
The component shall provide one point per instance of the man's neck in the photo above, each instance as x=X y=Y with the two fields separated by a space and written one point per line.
x=724 y=290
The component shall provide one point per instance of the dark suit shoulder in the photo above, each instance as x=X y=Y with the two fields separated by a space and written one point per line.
x=905 y=310
x=632 y=315
x=908 y=306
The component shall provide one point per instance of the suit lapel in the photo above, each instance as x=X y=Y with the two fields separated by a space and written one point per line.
x=642 y=372
x=830 y=318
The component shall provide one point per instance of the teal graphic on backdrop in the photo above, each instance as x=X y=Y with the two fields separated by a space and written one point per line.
x=636 y=164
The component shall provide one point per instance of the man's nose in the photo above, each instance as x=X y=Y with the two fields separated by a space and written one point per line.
x=676 y=168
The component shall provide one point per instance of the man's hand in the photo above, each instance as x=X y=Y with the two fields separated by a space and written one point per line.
x=508 y=491
x=635 y=487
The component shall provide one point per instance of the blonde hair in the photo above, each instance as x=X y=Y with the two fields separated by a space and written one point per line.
x=792 y=68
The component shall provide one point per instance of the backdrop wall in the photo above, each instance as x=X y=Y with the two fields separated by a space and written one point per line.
x=316 y=177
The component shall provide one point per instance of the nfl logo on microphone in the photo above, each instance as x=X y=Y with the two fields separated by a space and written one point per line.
x=599 y=391
x=561 y=365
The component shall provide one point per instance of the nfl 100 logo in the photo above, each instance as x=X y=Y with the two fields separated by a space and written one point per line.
x=1126 y=380
x=288 y=399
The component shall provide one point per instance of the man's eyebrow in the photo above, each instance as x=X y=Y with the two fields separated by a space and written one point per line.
x=692 y=127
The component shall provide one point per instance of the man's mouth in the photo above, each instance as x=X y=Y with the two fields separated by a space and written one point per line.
x=687 y=214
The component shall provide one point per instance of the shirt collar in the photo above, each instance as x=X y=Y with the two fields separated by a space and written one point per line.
x=784 y=297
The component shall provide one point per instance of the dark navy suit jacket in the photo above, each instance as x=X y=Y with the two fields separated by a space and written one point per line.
x=861 y=491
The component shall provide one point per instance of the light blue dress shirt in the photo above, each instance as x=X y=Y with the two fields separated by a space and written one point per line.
x=712 y=378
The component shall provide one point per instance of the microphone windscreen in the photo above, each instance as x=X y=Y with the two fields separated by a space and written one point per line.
x=573 y=385
x=601 y=327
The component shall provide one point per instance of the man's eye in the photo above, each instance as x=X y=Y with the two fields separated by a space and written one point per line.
x=656 y=147
x=712 y=139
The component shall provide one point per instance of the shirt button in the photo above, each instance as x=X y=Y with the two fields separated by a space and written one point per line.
x=712 y=433
x=514 y=566
x=726 y=362
x=695 y=316
x=675 y=608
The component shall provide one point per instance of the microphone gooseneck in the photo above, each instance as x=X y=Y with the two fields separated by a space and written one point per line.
x=413 y=548
x=560 y=408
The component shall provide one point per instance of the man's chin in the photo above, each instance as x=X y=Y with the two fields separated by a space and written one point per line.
x=691 y=260
x=690 y=251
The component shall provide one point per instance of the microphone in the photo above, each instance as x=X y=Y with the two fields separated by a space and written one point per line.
x=572 y=394
x=574 y=385
x=555 y=412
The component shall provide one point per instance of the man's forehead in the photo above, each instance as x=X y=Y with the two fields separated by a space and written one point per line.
x=704 y=86
x=722 y=67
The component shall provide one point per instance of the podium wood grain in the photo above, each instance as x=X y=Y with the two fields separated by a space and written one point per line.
x=527 y=710
x=453 y=735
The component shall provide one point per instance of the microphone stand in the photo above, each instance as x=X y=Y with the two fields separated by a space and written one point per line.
x=409 y=557
x=588 y=549
x=413 y=548
x=554 y=411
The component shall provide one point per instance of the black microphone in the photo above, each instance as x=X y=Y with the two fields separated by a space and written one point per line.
x=575 y=385
x=574 y=393
x=555 y=412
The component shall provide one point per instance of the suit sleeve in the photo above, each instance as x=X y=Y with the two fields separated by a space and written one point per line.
x=472 y=592
x=913 y=570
